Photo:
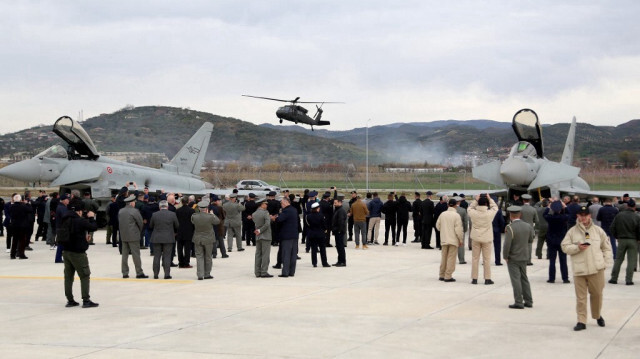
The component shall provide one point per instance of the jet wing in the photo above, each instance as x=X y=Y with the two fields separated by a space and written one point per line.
x=78 y=171
x=489 y=172
x=501 y=192
x=553 y=172
x=601 y=194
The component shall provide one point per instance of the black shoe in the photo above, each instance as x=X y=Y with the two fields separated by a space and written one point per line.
x=155 y=276
x=23 y=257
x=539 y=257
x=14 y=257
x=613 y=281
x=73 y=303
x=89 y=304
x=91 y=244
x=349 y=239
x=450 y=280
x=200 y=278
x=551 y=281
x=474 y=281
x=601 y=321
x=266 y=275
x=566 y=281
x=306 y=250
x=240 y=249
x=276 y=267
x=499 y=264
x=629 y=283
x=142 y=276
x=428 y=247
x=28 y=249
x=529 y=264
x=528 y=305
x=173 y=265
x=329 y=245
x=167 y=277
x=580 y=326
x=441 y=279
x=339 y=265
x=463 y=262
x=125 y=276
x=488 y=282
x=144 y=247
x=326 y=265
x=315 y=265
x=516 y=306
x=225 y=256
x=385 y=244
x=282 y=276
x=298 y=257
x=206 y=277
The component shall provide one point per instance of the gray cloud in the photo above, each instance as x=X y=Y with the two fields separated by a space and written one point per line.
x=401 y=61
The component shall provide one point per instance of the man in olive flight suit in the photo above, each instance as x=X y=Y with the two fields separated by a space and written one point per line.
x=518 y=235
x=204 y=239
x=262 y=221
x=233 y=221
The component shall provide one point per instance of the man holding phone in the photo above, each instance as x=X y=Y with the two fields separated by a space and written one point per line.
x=590 y=251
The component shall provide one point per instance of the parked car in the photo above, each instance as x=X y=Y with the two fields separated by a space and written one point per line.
x=256 y=185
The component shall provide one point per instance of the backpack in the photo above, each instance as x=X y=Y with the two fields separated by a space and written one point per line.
x=63 y=234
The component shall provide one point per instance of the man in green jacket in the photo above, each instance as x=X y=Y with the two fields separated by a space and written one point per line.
x=204 y=239
x=518 y=235
x=626 y=229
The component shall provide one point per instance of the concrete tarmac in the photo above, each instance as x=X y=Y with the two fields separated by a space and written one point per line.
x=387 y=303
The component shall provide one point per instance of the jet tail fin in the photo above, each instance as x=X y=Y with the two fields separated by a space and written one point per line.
x=567 y=154
x=191 y=156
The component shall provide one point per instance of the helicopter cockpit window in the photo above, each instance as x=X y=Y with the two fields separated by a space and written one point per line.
x=55 y=151
x=523 y=148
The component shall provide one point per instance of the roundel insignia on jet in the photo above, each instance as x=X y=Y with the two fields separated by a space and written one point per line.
x=109 y=170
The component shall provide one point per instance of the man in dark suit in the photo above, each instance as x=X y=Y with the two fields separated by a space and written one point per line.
x=416 y=210
x=288 y=221
x=427 y=221
x=164 y=224
x=185 y=232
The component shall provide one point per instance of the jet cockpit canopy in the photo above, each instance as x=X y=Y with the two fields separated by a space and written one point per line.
x=72 y=133
x=527 y=128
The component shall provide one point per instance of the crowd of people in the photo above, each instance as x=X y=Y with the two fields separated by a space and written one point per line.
x=188 y=227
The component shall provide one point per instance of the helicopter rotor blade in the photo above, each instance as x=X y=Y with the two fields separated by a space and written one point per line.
x=290 y=101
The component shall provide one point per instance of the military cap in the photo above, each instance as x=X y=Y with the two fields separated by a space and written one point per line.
x=326 y=195
x=526 y=196
x=452 y=202
x=252 y=195
x=76 y=205
x=462 y=195
x=203 y=204
x=233 y=195
x=64 y=196
x=631 y=203
x=584 y=210
x=417 y=193
x=514 y=209
x=429 y=193
x=271 y=194
x=315 y=205
x=124 y=190
x=556 y=206
x=152 y=199
x=261 y=201
x=214 y=197
x=625 y=195
x=455 y=194
x=146 y=196
x=235 y=190
x=131 y=198
x=313 y=194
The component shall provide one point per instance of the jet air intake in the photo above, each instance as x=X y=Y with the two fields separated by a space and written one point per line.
x=519 y=171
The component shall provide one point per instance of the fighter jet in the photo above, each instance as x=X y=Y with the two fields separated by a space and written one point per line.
x=80 y=166
x=527 y=170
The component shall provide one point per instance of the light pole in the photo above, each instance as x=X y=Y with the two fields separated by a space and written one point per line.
x=464 y=179
x=367 y=153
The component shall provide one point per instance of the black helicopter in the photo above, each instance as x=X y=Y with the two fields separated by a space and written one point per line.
x=298 y=114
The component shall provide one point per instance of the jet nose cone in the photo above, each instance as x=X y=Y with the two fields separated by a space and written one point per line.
x=27 y=170
x=516 y=172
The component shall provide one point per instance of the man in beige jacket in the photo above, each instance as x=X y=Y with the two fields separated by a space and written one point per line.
x=481 y=213
x=450 y=226
x=590 y=251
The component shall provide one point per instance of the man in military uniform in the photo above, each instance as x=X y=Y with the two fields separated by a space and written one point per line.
x=233 y=211
x=262 y=224
x=465 y=224
x=626 y=229
x=590 y=251
x=130 y=226
x=530 y=215
x=542 y=227
x=518 y=235
x=164 y=225
x=203 y=239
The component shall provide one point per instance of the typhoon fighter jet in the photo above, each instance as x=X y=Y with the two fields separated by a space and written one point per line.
x=80 y=166
x=527 y=170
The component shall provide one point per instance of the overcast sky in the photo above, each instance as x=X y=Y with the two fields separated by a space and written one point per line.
x=390 y=61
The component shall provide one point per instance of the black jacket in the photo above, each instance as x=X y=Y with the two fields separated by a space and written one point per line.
x=79 y=228
x=427 y=210
x=404 y=207
x=390 y=210
x=315 y=225
x=20 y=215
x=185 y=227
x=416 y=209
x=339 y=221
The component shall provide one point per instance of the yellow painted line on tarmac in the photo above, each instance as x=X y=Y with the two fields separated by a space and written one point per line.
x=170 y=281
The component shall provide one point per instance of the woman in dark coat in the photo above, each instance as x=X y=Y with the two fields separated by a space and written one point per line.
x=390 y=210
x=404 y=208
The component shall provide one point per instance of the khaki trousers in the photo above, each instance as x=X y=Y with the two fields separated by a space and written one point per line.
x=374 y=225
x=448 y=261
x=485 y=248
x=593 y=284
